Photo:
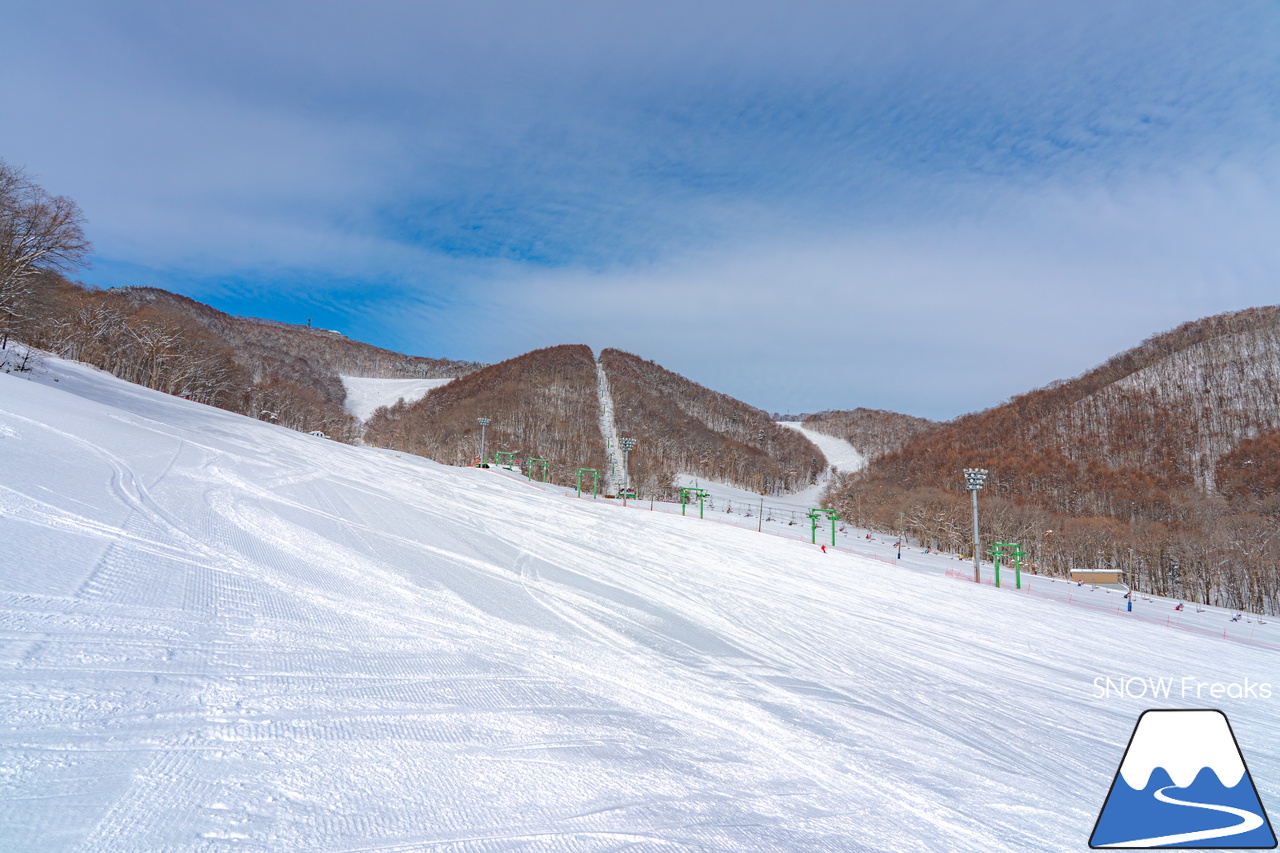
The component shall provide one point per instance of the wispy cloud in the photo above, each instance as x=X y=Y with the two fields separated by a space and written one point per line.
x=790 y=179
x=937 y=317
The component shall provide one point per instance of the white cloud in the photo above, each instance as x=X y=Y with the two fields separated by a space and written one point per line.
x=822 y=204
x=940 y=317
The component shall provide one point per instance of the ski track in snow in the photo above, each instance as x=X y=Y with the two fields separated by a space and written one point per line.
x=217 y=634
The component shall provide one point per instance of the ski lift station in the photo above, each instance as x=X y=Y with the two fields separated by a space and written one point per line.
x=1101 y=577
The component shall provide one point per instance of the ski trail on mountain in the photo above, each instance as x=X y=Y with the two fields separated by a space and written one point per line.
x=840 y=453
x=609 y=429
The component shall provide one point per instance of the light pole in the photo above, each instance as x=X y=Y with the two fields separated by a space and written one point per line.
x=974 y=478
x=484 y=422
x=627 y=444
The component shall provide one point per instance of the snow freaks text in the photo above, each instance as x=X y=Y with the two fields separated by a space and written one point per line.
x=1186 y=687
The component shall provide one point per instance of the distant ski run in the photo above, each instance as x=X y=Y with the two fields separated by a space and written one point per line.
x=840 y=454
x=609 y=430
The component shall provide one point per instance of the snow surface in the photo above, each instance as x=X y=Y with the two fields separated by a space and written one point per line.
x=217 y=634
x=1183 y=744
x=840 y=454
x=365 y=395
x=726 y=495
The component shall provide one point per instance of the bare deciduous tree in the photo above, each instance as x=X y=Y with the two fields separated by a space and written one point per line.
x=39 y=232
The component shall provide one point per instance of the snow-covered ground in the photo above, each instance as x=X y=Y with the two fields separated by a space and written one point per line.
x=840 y=454
x=725 y=496
x=365 y=395
x=787 y=516
x=217 y=634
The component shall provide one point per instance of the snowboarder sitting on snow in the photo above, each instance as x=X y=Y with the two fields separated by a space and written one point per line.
x=1179 y=607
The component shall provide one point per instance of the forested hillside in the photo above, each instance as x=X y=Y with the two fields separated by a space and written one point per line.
x=546 y=404
x=1154 y=462
x=542 y=404
x=682 y=427
x=873 y=432
x=264 y=343
x=285 y=374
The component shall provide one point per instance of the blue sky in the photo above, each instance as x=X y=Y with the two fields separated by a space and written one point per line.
x=925 y=207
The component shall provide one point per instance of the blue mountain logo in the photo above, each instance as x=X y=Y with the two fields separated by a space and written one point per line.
x=1183 y=784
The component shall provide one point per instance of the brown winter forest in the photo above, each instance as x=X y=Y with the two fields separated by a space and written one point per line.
x=1161 y=462
x=546 y=404
x=542 y=404
x=286 y=374
x=682 y=427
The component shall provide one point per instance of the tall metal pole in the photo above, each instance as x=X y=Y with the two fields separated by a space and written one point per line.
x=484 y=422
x=627 y=445
x=977 y=549
x=974 y=478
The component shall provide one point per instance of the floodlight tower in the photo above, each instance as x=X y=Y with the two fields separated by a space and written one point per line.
x=974 y=478
x=484 y=422
x=627 y=444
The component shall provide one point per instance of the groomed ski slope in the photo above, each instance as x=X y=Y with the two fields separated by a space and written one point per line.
x=217 y=634
x=365 y=395
x=840 y=453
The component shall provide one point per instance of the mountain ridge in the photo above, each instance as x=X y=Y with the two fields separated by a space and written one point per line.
x=1117 y=467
